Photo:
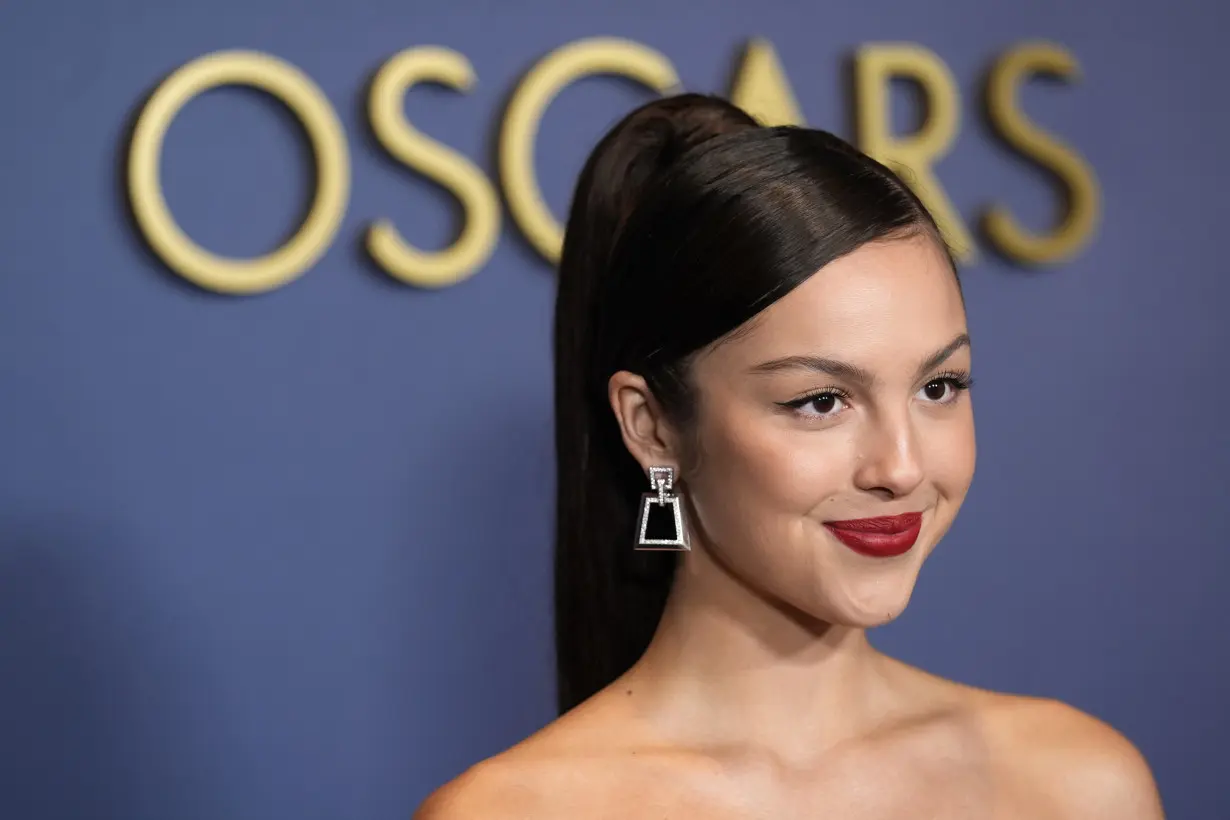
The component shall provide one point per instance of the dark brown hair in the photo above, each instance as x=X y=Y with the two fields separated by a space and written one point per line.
x=688 y=219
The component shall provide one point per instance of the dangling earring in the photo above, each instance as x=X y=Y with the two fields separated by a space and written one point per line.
x=662 y=524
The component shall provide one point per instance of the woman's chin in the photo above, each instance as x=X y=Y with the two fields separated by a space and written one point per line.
x=866 y=611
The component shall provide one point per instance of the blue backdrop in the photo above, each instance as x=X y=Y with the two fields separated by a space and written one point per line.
x=287 y=555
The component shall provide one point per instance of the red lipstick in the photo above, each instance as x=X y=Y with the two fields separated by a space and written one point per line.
x=878 y=537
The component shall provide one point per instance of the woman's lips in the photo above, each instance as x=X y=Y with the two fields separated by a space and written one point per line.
x=883 y=537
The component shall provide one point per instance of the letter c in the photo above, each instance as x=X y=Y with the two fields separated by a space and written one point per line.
x=599 y=55
x=308 y=103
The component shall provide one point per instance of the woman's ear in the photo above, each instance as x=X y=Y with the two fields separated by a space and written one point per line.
x=646 y=432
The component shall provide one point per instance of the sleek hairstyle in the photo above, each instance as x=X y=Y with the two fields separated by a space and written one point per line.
x=688 y=220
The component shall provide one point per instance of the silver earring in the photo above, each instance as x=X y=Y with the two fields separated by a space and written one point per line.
x=662 y=524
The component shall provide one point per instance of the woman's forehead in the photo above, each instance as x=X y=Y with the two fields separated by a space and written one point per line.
x=887 y=299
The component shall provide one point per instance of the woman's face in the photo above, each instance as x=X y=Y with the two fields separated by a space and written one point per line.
x=845 y=401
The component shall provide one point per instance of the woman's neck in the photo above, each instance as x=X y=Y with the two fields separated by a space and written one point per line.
x=729 y=667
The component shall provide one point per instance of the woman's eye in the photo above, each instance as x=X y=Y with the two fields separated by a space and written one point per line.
x=941 y=391
x=822 y=404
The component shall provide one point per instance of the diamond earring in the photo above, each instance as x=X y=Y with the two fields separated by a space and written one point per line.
x=662 y=523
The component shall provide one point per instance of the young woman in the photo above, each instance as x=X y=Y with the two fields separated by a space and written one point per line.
x=763 y=430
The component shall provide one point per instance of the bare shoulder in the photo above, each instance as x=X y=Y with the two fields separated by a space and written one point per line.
x=542 y=777
x=500 y=788
x=1084 y=767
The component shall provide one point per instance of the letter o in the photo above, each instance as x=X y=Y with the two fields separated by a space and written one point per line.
x=324 y=130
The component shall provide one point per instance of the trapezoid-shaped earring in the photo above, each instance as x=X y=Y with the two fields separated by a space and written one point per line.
x=662 y=523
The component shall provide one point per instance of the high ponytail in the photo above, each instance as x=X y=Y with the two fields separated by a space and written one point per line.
x=608 y=598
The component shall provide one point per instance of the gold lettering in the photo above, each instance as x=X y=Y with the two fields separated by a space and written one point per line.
x=762 y=89
x=1084 y=199
x=875 y=67
x=481 y=227
x=309 y=104
x=529 y=102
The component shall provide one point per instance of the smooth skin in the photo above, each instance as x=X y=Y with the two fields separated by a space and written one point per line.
x=760 y=695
